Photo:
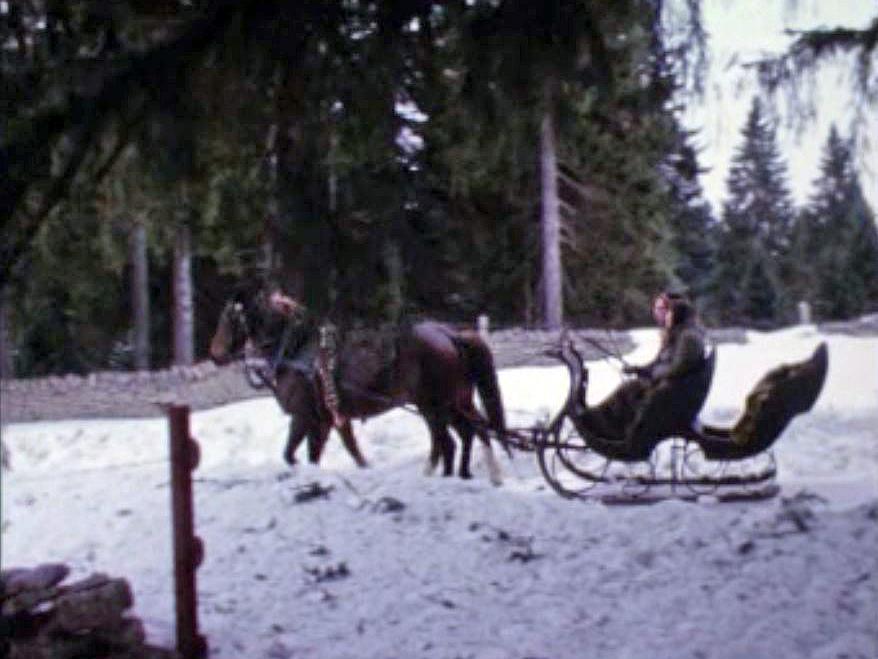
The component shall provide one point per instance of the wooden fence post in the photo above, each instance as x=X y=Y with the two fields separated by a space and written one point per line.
x=188 y=548
x=804 y=313
x=483 y=324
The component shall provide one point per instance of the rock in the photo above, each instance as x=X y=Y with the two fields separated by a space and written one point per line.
x=98 y=602
x=44 y=619
x=17 y=580
x=27 y=601
x=127 y=633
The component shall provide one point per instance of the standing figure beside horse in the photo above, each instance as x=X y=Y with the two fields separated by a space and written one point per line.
x=295 y=314
x=428 y=364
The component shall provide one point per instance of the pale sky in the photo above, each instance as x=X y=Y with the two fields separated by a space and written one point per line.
x=746 y=30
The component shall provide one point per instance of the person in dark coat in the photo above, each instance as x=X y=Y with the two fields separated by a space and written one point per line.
x=682 y=349
x=682 y=341
x=298 y=346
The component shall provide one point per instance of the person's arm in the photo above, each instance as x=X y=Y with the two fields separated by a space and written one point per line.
x=644 y=371
x=286 y=305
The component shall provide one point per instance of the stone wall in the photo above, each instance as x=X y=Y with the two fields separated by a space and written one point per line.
x=122 y=394
x=126 y=394
x=43 y=618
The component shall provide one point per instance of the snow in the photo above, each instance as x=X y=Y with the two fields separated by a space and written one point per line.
x=391 y=563
x=749 y=30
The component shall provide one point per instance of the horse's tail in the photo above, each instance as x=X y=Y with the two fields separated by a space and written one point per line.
x=482 y=372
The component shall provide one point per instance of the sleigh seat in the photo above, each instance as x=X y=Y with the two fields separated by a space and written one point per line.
x=636 y=417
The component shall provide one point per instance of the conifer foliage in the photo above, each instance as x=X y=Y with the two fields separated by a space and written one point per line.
x=381 y=160
x=754 y=231
x=835 y=250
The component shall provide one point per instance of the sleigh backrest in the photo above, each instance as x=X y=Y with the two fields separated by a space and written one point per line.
x=777 y=398
x=631 y=421
x=670 y=406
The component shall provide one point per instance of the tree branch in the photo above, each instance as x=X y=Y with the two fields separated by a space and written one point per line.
x=23 y=161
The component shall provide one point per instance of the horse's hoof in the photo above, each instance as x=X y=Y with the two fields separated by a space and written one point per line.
x=466 y=476
x=291 y=460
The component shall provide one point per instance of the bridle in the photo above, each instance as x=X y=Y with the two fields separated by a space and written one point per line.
x=234 y=320
x=255 y=365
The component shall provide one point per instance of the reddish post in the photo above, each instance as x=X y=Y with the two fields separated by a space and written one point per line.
x=188 y=549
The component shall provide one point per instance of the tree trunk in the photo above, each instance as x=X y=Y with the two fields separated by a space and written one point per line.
x=332 y=183
x=184 y=343
x=6 y=367
x=394 y=265
x=140 y=297
x=550 y=221
x=269 y=256
x=293 y=216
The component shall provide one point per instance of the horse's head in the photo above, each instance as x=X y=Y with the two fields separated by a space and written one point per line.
x=232 y=332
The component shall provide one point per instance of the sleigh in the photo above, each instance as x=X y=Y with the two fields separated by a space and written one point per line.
x=652 y=447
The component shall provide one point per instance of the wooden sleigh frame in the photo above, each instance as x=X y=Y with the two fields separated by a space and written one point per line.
x=582 y=449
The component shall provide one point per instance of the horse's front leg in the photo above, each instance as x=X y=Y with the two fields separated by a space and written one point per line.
x=294 y=439
x=441 y=445
x=317 y=436
x=350 y=443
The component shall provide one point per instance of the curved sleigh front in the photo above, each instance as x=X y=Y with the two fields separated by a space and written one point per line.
x=781 y=395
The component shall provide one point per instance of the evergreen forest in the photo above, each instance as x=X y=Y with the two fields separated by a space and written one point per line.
x=389 y=160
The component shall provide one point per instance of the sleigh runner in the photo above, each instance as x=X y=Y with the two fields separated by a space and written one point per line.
x=655 y=448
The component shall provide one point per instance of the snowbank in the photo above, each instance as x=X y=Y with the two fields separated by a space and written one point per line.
x=394 y=564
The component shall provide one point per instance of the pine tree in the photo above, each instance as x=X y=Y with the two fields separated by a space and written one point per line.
x=755 y=231
x=835 y=255
x=552 y=68
x=691 y=221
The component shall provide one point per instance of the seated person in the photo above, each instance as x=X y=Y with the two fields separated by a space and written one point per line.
x=681 y=351
x=682 y=341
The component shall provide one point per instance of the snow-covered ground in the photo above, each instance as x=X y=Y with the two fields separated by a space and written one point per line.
x=395 y=564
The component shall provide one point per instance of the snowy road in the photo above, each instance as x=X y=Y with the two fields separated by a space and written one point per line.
x=395 y=564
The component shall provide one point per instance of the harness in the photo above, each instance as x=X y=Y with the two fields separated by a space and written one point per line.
x=255 y=366
x=280 y=353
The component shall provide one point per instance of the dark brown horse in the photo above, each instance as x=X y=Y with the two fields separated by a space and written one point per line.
x=430 y=365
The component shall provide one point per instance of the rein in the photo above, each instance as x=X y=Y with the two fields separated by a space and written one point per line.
x=284 y=340
x=616 y=353
x=256 y=378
